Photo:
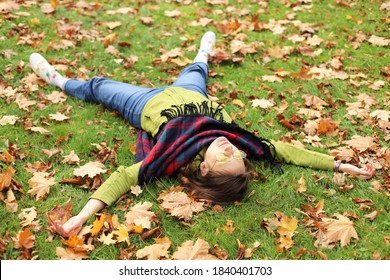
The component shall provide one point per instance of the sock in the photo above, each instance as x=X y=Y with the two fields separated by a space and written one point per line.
x=58 y=80
x=202 y=56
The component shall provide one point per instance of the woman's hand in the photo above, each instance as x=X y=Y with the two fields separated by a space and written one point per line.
x=71 y=227
x=74 y=224
x=365 y=172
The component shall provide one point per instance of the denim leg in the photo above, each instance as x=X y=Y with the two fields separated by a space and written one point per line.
x=193 y=77
x=127 y=99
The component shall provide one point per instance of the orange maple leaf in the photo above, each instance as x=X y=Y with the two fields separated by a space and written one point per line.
x=24 y=239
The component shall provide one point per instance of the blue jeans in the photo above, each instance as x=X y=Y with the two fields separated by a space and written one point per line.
x=129 y=100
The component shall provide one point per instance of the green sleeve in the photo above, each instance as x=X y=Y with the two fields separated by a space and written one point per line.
x=118 y=184
x=301 y=157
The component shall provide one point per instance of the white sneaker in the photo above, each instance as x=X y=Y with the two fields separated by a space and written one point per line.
x=41 y=67
x=207 y=44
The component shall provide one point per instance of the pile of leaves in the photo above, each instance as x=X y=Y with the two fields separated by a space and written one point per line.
x=314 y=119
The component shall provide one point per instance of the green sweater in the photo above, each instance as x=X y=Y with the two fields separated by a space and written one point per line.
x=121 y=180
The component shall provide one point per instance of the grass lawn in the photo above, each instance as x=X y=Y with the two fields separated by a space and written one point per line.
x=313 y=73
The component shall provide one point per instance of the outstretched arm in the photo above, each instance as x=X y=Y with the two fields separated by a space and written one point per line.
x=299 y=156
x=74 y=224
x=113 y=188
x=365 y=172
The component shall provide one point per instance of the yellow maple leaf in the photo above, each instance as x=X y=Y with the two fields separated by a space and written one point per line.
x=287 y=226
x=107 y=239
x=98 y=224
x=122 y=234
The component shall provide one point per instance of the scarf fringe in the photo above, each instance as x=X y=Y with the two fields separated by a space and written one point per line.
x=192 y=109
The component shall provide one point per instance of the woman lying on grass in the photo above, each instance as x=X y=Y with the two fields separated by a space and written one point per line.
x=181 y=132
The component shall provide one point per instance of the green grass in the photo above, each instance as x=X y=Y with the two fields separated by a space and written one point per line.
x=91 y=123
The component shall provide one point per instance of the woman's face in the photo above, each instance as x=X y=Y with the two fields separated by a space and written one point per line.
x=231 y=165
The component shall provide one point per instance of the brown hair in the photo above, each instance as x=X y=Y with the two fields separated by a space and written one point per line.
x=218 y=188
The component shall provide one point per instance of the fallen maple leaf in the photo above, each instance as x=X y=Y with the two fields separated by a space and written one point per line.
x=362 y=143
x=59 y=213
x=262 y=103
x=24 y=239
x=139 y=214
x=91 y=169
x=302 y=184
x=73 y=241
x=40 y=184
x=6 y=178
x=70 y=254
x=190 y=251
x=156 y=251
x=29 y=215
x=71 y=159
x=180 y=205
x=122 y=234
x=98 y=224
x=107 y=239
x=340 y=229
x=286 y=230
x=229 y=227
x=8 y=120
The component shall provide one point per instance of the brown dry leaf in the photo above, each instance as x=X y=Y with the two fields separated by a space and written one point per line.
x=90 y=169
x=314 y=101
x=29 y=215
x=58 y=117
x=327 y=126
x=316 y=212
x=59 y=213
x=173 y=14
x=70 y=254
x=362 y=143
x=190 y=251
x=136 y=190
x=302 y=184
x=156 y=251
x=262 y=103
x=6 y=178
x=140 y=215
x=40 y=185
x=24 y=239
x=378 y=41
x=180 y=205
x=8 y=120
x=40 y=130
x=110 y=39
x=6 y=157
x=10 y=202
x=371 y=216
x=340 y=229
x=71 y=159
x=229 y=227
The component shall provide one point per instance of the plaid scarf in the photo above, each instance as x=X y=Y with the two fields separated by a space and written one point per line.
x=183 y=137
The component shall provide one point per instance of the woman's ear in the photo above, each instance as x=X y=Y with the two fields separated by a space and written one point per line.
x=203 y=168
